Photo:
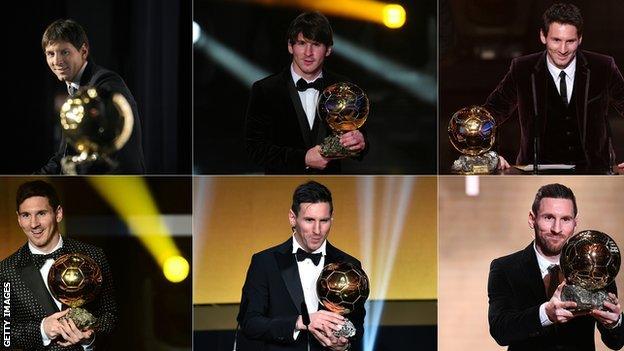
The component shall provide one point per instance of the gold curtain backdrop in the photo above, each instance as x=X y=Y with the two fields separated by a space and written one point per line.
x=474 y=230
x=389 y=223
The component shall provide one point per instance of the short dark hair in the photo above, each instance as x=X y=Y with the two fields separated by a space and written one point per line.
x=66 y=30
x=563 y=13
x=555 y=191
x=311 y=192
x=314 y=26
x=37 y=188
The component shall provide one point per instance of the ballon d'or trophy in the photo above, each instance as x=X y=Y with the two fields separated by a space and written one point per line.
x=342 y=288
x=96 y=123
x=75 y=280
x=590 y=260
x=344 y=106
x=472 y=132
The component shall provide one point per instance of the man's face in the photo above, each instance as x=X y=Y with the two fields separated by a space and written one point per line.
x=553 y=224
x=65 y=60
x=40 y=222
x=311 y=225
x=561 y=42
x=308 y=56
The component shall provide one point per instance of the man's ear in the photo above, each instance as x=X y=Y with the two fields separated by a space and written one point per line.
x=84 y=51
x=531 y=220
x=59 y=214
x=290 y=48
x=329 y=51
x=292 y=218
x=542 y=37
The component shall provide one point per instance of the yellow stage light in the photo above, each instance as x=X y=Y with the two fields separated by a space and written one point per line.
x=176 y=269
x=393 y=16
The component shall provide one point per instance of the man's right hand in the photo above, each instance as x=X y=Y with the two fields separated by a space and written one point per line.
x=314 y=159
x=557 y=310
x=502 y=163
x=52 y=326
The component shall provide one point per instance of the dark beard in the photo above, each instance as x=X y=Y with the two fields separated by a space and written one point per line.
x=546 y=248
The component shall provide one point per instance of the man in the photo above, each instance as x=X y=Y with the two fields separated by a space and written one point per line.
x=35 y=318
x=564 y=94
x=66 y=48
x=279 y=279
x=282 y=131
x=526 y=311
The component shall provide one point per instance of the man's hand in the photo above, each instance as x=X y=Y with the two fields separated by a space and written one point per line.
x=502 y=163
x=621 y=166
x=609 y=318
x=353 y=140
x=322 y=325
x=314 y=159
x=54 y=326
x=556 y=310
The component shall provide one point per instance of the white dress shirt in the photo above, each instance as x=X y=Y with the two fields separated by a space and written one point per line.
x=45 y=269
x=308 y=274
x=569 y=71
x=309 y=98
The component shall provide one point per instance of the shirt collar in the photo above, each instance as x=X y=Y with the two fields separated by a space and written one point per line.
x=296 y=77
x=36 y=251
x=76 y=82
x=542 y=261
x=555 y=71
x=321 y=249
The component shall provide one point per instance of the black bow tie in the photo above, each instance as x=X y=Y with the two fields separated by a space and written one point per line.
x=40 y=260
x=318 y=84
x=302 y=255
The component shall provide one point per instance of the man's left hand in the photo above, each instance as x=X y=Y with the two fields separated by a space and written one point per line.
x=353 y=140
x=334 y=343
x=73 y=335
x=610 y=317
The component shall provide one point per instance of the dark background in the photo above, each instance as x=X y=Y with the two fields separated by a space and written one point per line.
x=147 y=42
x=401 y=127
x=507 y=29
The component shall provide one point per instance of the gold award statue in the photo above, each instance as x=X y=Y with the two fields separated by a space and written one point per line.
x=345 y=107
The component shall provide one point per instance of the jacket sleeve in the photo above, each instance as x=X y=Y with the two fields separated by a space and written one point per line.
x=508 y=323
x=613 y=338
x=504 y=99
x=256 y=322
x=259 y=130
x=105 y=307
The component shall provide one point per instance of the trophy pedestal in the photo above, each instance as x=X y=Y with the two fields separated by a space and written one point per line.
x=87 y=164
x=82 y=318
x=482 y=164
x=331 y=148
x=586 y=300
x=347 y=330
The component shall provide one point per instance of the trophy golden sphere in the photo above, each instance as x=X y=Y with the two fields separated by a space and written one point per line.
x=97 y=121
x=472 y=130
x=590 y=259
x=344 y=106
x=342 y=287
x=75 y=279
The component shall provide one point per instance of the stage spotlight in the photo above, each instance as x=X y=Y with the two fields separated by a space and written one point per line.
x=176 y=269
x=196 y=32
x=393 y=16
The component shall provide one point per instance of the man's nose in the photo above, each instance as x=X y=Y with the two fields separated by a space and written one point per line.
x=556 y=228
x=317 y=228
x=34 y=222
x=308 y=50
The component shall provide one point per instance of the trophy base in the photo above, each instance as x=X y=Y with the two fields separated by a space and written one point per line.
x=87 y=164
x=481 y=164
x=82 y=318
x=586 y=300
x=331 y=148
x=347 y=330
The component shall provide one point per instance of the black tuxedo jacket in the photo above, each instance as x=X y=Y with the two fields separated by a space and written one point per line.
x=30 y=301
x=271 y=302
x=130 y=158
x=277 y=132
x=598 y=84
x=516 y=290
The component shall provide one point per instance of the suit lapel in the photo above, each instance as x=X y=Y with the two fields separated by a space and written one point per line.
x=31 y=277
x=539 y=81
x=581 y=92
x=530 y=270
x=287 y=265
x=332 y=255
x=304 y=126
